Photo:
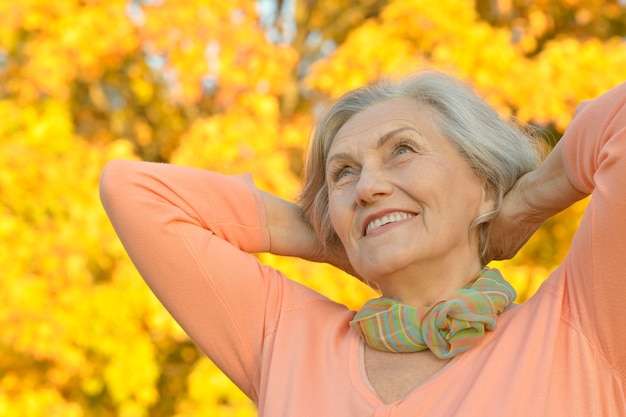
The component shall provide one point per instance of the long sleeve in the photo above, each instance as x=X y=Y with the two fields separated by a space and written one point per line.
x=189 y=232
x=594 y=154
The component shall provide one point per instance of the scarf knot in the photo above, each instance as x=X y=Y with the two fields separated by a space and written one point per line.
x=447 y=328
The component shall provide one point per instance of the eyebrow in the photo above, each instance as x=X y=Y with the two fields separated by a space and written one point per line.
x=384 y=138
x=381 y=142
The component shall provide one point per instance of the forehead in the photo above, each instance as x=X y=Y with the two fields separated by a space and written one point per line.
x=382 y=118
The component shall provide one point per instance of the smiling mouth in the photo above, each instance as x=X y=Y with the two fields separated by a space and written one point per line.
x=386 y=219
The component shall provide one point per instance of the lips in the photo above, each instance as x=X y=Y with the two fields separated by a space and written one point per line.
x=392 y=217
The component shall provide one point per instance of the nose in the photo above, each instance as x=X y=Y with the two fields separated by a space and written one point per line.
x=373 y=185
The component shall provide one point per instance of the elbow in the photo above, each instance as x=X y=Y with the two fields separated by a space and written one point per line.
x=114 y=182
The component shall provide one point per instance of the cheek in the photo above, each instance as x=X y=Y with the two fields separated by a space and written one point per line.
x=334 y=213
x=463 y=183
x=469 y=203
x=339 y=216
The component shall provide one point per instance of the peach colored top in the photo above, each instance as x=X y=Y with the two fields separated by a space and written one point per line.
x=190 y=234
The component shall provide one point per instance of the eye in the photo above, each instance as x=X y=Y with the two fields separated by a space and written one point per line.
x=341 y=172
x=338 y=172
x=403 y=148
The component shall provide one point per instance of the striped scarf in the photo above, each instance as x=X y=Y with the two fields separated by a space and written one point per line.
x=447 y=328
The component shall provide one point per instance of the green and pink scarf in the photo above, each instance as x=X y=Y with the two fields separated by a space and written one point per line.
x=447 y=328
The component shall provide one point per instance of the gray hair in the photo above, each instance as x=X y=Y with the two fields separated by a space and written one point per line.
x=498 y=151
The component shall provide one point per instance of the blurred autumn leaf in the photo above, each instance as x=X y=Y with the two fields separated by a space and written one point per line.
x=228 y=86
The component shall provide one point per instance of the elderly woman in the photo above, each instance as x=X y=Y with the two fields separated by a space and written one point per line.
x=412 y=186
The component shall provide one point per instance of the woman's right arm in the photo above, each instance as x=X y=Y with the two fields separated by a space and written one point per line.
x=291 y=235
x=189 y=232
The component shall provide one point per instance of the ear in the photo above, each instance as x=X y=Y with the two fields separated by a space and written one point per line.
x=485 y=214
x=487 y=201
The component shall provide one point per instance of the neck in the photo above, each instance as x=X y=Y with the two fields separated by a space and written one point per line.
x=425 y=285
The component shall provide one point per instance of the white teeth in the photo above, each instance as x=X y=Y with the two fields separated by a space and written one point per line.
x=388 y=218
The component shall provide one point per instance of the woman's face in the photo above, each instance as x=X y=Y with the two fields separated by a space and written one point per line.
x=401 y=198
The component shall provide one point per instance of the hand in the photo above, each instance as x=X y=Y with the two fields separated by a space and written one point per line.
x=534 y=198
x=515 y=223
x=291 y=235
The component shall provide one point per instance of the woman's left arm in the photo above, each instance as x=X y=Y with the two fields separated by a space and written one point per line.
x=589 y=159
x=534 y=198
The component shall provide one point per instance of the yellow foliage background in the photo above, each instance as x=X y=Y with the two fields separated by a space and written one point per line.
x=227 y=86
